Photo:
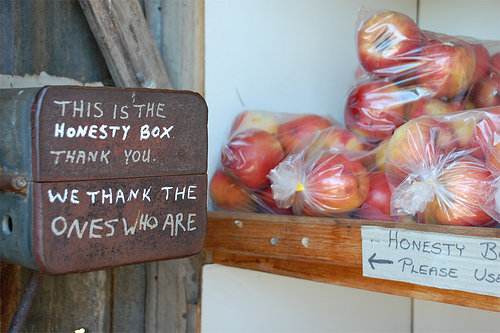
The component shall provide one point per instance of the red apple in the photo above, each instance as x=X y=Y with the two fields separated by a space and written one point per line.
x=447 y=67
x=388 y=43
x=435 y=109
x=474 y=128
x=228 y=194
x=263 y=120
x=331 y=184
x=250 y=155
x=269 y=204
x=456 y=200
x=446 y=138
x=374 y=110
x=429 y=106
x=343 y=139
x=377 y=205
x=493 y=153
x=487 y=91
x=414 y=147
x=290 y=133
x=495 y=63
x=336 y=138
x=482 y=61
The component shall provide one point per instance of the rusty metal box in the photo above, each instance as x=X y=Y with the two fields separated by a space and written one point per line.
x=94 y=178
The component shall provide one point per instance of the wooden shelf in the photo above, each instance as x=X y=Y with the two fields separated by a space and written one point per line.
x=332 y=254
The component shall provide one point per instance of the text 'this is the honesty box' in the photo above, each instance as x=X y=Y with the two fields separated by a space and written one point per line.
x=94 y=178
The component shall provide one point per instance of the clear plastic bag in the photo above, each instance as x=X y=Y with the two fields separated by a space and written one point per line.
x=257 y=142
x=493 y=152
x=324 y=185
x=436 y=165
x=318 y=179
x=228 y=194
x=375 y=108
x=406 y=72
x=489 y=196
x=377 y=205
x=489 y=191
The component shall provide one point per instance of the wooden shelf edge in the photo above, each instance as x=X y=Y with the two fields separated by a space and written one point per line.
x=456 y=230
x=323 y=250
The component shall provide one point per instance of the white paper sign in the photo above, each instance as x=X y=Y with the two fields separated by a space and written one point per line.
x=445 y=261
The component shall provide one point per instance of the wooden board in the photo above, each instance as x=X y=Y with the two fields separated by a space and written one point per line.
x=123 y=35
x=112 y=22
x=332 y=253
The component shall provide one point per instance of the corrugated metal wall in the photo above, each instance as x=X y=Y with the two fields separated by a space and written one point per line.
x=50 y=36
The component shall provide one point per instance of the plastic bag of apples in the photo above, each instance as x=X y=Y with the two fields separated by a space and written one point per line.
x=257 y=142
x=438 y=165
x=319 y=179
x=405 y=72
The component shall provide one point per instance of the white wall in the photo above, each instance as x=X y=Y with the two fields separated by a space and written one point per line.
x=237 y=300
x=293 y=56
x=478 y=19
x=299 y=56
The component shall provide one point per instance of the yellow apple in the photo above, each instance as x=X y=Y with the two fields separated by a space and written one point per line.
x=412 y=148
x=263 y=120
x=380 y=154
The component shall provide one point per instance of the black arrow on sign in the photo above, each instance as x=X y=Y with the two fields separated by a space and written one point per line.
x=372 y=260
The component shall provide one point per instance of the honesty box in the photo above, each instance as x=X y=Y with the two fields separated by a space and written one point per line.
x=95 y=178
x=438 y=260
